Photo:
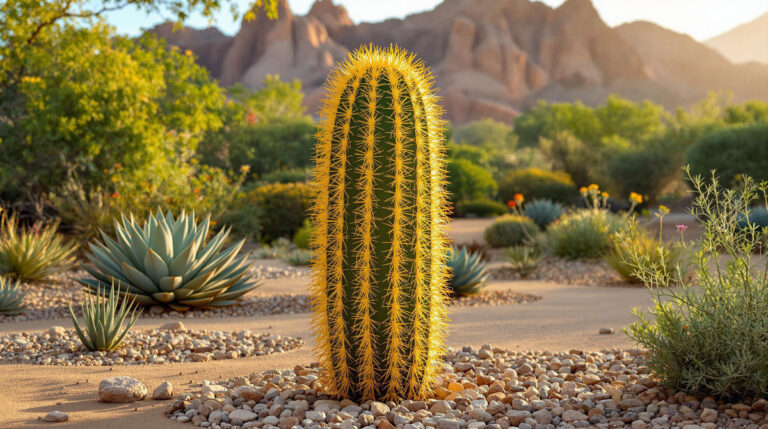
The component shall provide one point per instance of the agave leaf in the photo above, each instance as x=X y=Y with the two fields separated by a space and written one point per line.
x=184 y=260
x=199 y=281
x=195 y=302
x=138 y=279
x=155 y=266
x=164 y=297
x=170 y=283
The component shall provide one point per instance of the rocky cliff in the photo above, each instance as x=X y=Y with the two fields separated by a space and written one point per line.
x=491 y=58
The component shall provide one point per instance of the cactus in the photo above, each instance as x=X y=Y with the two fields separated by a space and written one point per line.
x=379 y=218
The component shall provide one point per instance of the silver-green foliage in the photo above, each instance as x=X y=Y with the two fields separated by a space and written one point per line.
x=168 y=261
x=543 y=212
x=103 y=317
x=11 y=297
x=710 y=334
x=299 y=257
x=584 y=234
x=468 y=272
x=524 y=259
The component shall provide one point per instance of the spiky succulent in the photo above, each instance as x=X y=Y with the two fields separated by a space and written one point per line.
x=468 y=275
x=103 y=317
x=168 y=262
x=31 y=254
x=524 y=260
x=543 y=212
x=11 y=298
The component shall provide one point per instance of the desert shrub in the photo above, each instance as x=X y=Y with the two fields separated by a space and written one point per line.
x=103 y=317
x=470 y=153
x=647 y=170
x=649 y=249
x=291 y=175
x=469 y=181
x=303 y=236
x=84 y=212
x=486 y=133
x=31 y=254
x=283 y=208
x=523 y=260
x=708 y=335
x=510 y=230
x=299 y=257
x=733 y=152
x=584 y=234
x=757 y=216
x=543 y=212
x=278 y=249
x=480 y=208
x=536 y=184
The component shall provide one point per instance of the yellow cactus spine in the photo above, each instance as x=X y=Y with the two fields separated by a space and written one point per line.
x=379 y=216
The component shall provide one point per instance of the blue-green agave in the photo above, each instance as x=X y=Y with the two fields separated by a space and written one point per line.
x=543 y=212
x=167 y=261
x=103 y=317
x=11 y=297
x=468 y=275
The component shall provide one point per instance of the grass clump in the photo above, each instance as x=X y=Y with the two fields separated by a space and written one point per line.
x=524 y=260
x=585 y=234
x=103 y=317
x=709 y=336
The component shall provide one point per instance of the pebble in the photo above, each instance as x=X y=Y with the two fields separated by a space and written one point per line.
x=56 y=416
x=565 y=271
x=163 y=391
x=606 y=331
x=121 y=389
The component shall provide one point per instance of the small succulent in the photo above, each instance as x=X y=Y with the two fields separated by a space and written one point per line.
x=11 y=298
x=468 y=275
x=300 y=257
x=103 y=317
x=32 y=254
x=167 y=261
x=523 y=259
x=543 y=212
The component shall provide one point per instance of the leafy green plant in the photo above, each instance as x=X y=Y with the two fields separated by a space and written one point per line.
x=468 y=272
x=733 y=152
x=103 y=317
x=303 y=236
x=543 y=212
x=537 y=184
x=291 y=175
x=480 y=208
x=85 y=212
x=654 y=251
x=469 y=181
x=299 y=257
x=707 y=336
x=11 y=297
x=31 y=254
x=583 y=234
x=283 y=208
x=510 y=230
x=169 y=261
x=279 y=249
x=524 y=260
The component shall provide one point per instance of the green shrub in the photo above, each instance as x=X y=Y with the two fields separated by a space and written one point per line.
x=647 y=170
x=292 y=175
x=654 y=252
x=480 y=208
x=468 y=272
x=278 y=249
x=299 y=257
x=510 y=230
x=733 y=152
x=103 y=317
x=524 y=260
x=708 y=336
x=469 y=181
x=538 y=184
x=11 y=298
x=543 y=212
x=303 y=236
x=283 y=206
x=31 y=254
x=584 y=234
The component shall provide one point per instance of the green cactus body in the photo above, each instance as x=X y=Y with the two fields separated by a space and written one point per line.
x=379 y=215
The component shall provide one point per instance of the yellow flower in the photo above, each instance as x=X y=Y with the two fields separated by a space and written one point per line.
x=664 y=209
x=593 y=187
x=635 y=197
x=245 y=168
x=30 y=79
x=605 y=194
x=583 y=190
x=188 y=53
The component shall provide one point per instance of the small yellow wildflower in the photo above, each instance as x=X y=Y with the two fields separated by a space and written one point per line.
x=188 y=53
x=593 y=187
x=30 y=79
x=635 y=197
x=664 y=209
x=245 y=168
x=583 y=190
x=605 y=195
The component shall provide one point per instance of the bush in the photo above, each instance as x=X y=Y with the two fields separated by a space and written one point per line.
x=543 y=212
x=510 y=230
x=524 y=260
x=283 y=207
x=707 y=336
x=645 y=247
x=30 y=254
x=303 y=236
x=299 y=257
x=537 y=184
x=585 y=234
x=733 y=152
x=292 y=175
x=480 y=208
x=646 y=171
x=469 y=181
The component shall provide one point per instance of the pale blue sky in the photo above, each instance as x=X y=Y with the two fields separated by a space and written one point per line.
x=702 y=19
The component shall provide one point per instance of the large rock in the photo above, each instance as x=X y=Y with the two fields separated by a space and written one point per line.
x=163 y=391
x=121 y=389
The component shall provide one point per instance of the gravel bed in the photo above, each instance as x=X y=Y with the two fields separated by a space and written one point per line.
x=493 y=297
x=169 y=344
x=486 y=388
x=564 y=271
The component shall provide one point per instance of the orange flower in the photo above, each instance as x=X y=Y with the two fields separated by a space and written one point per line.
x=519 y=198
x=511 y=204
x=115 y=195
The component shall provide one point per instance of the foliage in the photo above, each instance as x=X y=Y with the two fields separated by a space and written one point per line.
x=584 y=234
x=647 y=170
x=279 y=249
x=510 y=230
x=734 y=152
x=707 y=335
x=468 y=272
x=654 y=251
x=486 y=133
x=300 y=257
x=283 y=208
x=168 y=261
x=31 y=254
x=480 y=208
x=103 y=317
x=543 y=212
x=538 y=184
x=524 y=260
x=379 y=284
x=303 y=236
x=467 y=181
x=291 y=175
x=11 y=297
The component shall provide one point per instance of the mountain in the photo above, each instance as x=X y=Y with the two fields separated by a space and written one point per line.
x=492 y=58
x=745 y=43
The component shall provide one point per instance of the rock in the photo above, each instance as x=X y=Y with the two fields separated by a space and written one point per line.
x=121 y=389
x=174 y=326
x=246 y=416
x=250 y=394
x=605 y=331
x=56 y=416
x=590 y=379
x=448 y=424
x=630 y=403
x=570 y=416
x=516 y=417
x=55 y=331
x=708 y=415
x=384 y=424
x=379 y=409
x=316 y=416
x=163 y=391
x=543 y=416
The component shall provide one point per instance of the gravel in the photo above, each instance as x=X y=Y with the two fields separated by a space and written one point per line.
x=487 y=388
x=59 y=346
x=564 y=271
x=493 y=297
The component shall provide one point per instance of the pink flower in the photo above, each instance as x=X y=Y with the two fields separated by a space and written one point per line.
x=681 y=228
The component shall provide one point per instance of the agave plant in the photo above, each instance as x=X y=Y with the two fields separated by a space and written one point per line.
x=524 y=259
x=11 y=298
x=167 y=262
x=32 y=254
x=543 y=212
x=468 y=276
x=103 y=317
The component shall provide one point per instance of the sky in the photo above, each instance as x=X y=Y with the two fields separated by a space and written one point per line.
x=702 y=19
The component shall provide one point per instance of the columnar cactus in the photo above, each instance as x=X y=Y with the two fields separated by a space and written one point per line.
x=379 y=215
